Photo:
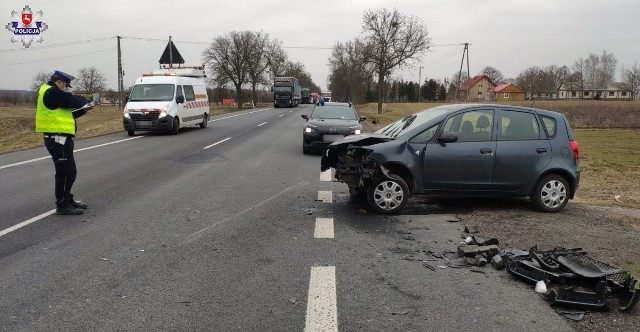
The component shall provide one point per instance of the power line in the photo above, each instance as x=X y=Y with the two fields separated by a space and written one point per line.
x=88 y=41
x=64 y=57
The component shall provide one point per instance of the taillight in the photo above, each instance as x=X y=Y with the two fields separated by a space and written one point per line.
x=574 y=147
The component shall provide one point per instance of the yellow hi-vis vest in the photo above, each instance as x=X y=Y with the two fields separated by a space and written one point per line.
x=58 y=121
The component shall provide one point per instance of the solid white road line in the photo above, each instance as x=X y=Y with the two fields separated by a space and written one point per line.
x=262 y=124
x=216 y=143
x=325 y=196
x=324 y=228
x=79 y=150
x=27 y=222
x=322 y=309
x=326 y=175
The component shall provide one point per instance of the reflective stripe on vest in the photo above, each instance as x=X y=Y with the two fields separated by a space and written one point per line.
x=59 y=120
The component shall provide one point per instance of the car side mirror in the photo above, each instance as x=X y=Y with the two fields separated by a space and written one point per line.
x=362 y=118
x=304 y=116
x=180 y=99
x=448 y=137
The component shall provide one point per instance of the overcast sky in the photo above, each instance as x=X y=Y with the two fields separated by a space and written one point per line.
x=509 y=35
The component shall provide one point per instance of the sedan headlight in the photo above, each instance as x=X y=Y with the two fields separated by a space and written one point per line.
x=310 y=128
x=356 y=130
x=165 y=111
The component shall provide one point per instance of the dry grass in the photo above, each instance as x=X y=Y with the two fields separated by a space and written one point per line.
x=609 y=158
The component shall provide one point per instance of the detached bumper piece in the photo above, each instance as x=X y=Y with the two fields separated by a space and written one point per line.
x=577 y=280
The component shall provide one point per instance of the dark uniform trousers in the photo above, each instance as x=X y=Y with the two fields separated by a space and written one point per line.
x=62 y=156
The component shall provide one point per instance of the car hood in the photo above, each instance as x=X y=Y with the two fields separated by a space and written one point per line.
x=330 y=157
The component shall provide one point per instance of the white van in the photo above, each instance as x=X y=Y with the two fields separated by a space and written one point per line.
x=167 y=100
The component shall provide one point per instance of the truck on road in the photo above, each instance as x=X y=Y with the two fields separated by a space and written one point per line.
x=306 y=96
x=286 y=92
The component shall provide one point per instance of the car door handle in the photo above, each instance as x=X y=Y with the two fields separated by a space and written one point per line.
x=541 y=150
x=485 y=151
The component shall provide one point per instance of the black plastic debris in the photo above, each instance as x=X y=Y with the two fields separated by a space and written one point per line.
x=575 y=280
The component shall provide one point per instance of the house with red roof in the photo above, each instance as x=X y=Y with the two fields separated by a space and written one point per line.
x=477 y=89
x=508 y=92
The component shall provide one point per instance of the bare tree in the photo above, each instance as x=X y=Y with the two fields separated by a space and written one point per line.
x=394 y=39
x=39 y=79
x=259 y=61
x=494 y=74
x=350 y=72
x=599 y=71
x=277 y=59
x=229 y=58
x=558 y=75
x=631 y=77
x=90 y=80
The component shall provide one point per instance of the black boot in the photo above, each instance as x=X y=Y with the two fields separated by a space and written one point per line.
x=78 y=204
x=67 y=208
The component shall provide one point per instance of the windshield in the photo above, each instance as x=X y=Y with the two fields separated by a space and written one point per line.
x=333 y=112
x=152 y=92
x=282 y=88
x=410 y=122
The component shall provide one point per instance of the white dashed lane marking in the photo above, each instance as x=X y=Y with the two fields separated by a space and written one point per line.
x=322 y=309
x=262 y=124
x=325 y=196
x=324 y=228
x=26 y=222
x=216 y=143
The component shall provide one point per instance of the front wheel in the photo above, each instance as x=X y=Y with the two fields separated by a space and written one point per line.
x=205 y=121
x=175 y=127
x=131 y=133
x=388 y=195
x=551 y=193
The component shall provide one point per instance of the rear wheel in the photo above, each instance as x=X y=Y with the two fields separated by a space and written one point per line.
x=205 y=121
x=551 y=193
x=175 y=127
x=131 y=133
x=388 y=195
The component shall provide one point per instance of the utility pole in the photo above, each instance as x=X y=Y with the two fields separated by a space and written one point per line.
x=170 y=53
x=120 y=74
x=466 y=50
x=419 y=82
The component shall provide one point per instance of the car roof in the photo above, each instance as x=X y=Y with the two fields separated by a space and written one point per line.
x=457 y=107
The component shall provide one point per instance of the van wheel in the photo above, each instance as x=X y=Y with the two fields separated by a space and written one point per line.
x=175 y=127
x=205 y=121
x=131 y=133
x=551 y=193
x=388 y=195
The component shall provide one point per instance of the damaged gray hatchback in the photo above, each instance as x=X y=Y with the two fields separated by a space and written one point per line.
x=462 y=149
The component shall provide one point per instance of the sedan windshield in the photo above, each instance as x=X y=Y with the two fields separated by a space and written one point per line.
x=152 y=92
x=409 y=122
x=333 y=112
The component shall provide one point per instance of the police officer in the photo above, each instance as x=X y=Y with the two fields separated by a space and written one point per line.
x=55 y=117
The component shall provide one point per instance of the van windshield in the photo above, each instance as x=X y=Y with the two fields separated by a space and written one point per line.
x=152 y=92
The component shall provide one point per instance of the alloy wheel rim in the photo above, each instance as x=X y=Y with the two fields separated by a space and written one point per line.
x=553 y=194
x=388 y=195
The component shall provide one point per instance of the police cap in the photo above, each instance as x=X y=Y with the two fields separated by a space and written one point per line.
x=64 y=76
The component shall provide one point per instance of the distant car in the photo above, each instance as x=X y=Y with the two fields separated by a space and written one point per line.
x=465 y=149
x=329 y=123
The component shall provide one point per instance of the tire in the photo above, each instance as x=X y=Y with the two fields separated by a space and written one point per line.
x=205 y=121
x=131 y=133
x=551 y=193
x=175 y=127
x=305 y=150
x=388 y=195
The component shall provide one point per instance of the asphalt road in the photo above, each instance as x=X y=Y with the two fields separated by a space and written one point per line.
x=231 y=228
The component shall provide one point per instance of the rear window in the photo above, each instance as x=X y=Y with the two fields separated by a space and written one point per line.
x=550 y=125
